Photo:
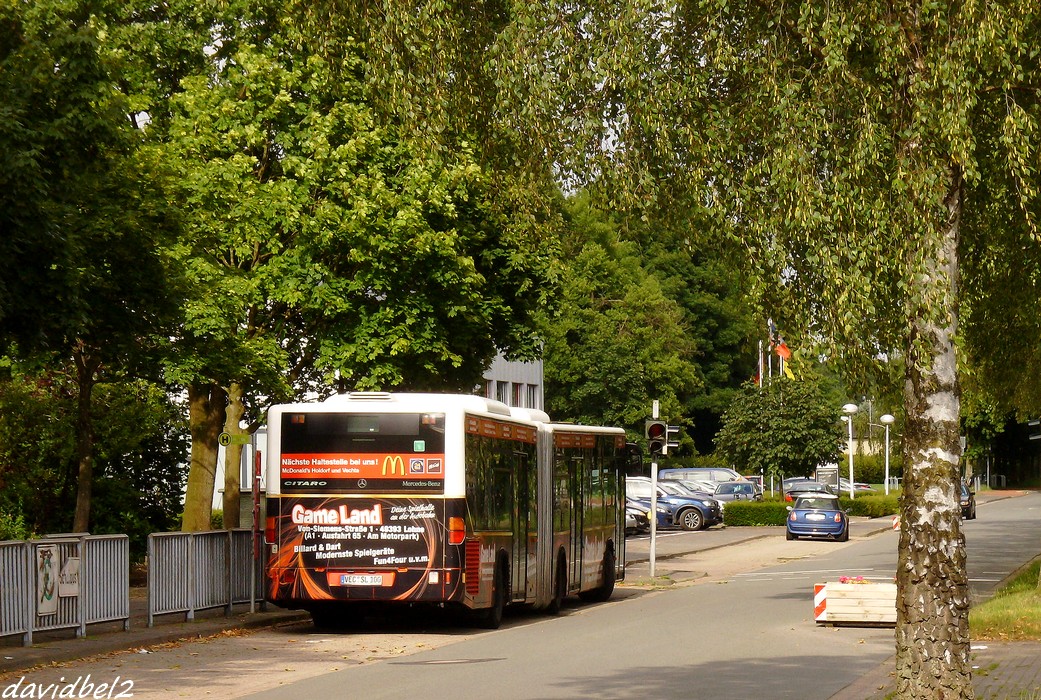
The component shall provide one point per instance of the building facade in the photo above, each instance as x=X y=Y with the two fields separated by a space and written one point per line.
x=515 y=383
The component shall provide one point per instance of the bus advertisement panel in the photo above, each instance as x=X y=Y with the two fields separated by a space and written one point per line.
x=387 y=546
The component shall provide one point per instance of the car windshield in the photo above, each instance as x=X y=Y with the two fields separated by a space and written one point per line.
x=815 y=504
x=676 y=489
x=638 y=489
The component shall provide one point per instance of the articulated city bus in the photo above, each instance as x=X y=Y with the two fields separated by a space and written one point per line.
x=390 y=499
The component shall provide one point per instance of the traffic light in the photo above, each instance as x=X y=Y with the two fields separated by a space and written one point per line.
x=656 y=432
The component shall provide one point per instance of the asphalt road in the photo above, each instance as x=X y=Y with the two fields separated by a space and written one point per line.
x=735 y=622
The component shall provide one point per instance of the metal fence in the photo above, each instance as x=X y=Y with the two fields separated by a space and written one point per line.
x=192 y=571
x=63 y=581
x=71 y=581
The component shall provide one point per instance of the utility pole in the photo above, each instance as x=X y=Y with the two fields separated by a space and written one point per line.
x=654 y=489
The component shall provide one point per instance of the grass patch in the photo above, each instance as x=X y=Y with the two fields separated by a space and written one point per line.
x=1013 y=613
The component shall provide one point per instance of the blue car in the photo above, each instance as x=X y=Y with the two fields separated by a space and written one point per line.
x=690 y=512
x=817 y=515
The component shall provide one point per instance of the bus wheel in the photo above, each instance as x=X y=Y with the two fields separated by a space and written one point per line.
x=691 y=519
x=491 y=618
x=606 y=587
x=559 y=587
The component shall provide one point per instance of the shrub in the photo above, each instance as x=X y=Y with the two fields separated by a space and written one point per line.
x=755 y=513
x=871 y=469
x=871 y=506
x=13 y=527
x=775 y=512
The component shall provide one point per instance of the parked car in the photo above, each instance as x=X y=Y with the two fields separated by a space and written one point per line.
x=636 y=520
x=817 y=515
x=968 y=502
x=700 y=486
x=737 y=491
x=858 y=488
x=685 y=488
x=674 y=510
x=794 y=489
x=702 y=473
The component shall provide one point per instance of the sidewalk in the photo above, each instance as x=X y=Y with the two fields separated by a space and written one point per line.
x=59 y=646
x=1000 y=671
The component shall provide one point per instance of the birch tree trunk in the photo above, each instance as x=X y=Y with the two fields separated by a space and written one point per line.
x=932 y=630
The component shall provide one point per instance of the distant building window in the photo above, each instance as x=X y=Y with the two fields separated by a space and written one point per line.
x=489 y=389
x=502 y=391
x=533 y=396
x=518 y=395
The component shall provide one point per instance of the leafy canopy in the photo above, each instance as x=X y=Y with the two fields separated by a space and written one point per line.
x=784 y=428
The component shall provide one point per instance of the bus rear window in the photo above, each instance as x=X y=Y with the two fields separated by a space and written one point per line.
x=357 y=453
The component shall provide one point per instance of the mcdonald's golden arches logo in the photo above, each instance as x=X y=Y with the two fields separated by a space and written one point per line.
x=396 y=464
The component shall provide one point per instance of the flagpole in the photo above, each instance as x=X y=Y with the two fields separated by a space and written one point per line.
x=760 y=364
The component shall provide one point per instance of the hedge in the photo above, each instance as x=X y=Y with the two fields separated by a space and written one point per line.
x=871 y=506
x=776 y=512
x=755 y=512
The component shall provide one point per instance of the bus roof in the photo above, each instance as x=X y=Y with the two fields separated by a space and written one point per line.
x=406 y=401
x=381 y=400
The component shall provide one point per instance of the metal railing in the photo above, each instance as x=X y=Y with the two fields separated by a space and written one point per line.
x=63 y=581
x=192 y=571
x=71 y=581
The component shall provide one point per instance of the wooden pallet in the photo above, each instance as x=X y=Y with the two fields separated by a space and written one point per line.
x=855 y=603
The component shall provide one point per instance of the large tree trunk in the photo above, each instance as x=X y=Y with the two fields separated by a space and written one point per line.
x=233 y=457
x=932 y=629
x=86 y=375
x=206 y=406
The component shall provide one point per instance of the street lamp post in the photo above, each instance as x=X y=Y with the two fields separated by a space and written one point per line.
x=849 y=409
x=887 y=420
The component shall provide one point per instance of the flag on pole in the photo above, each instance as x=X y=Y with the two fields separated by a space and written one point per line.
x=778 y=346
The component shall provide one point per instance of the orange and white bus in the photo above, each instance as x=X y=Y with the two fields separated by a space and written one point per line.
x=397 y=499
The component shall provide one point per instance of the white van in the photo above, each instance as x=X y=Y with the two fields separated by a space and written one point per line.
x=701 y=473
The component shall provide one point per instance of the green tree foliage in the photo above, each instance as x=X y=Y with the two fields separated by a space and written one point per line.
x=616 y=341
x=142 y=441
x=324 y=248
x=37 y=456
x=865 y=157
x=139 y=471
x=708 y=285
x=608 y=354
x=784 y=428
x=88 y=284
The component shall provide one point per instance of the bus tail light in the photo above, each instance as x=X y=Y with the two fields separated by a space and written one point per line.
x=456 y=530
x=472 y=567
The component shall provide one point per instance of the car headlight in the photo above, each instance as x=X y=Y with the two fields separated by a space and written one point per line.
x=708 y=504
x=664 y=509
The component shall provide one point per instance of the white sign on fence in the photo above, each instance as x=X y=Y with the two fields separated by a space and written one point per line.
x=69 y=580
